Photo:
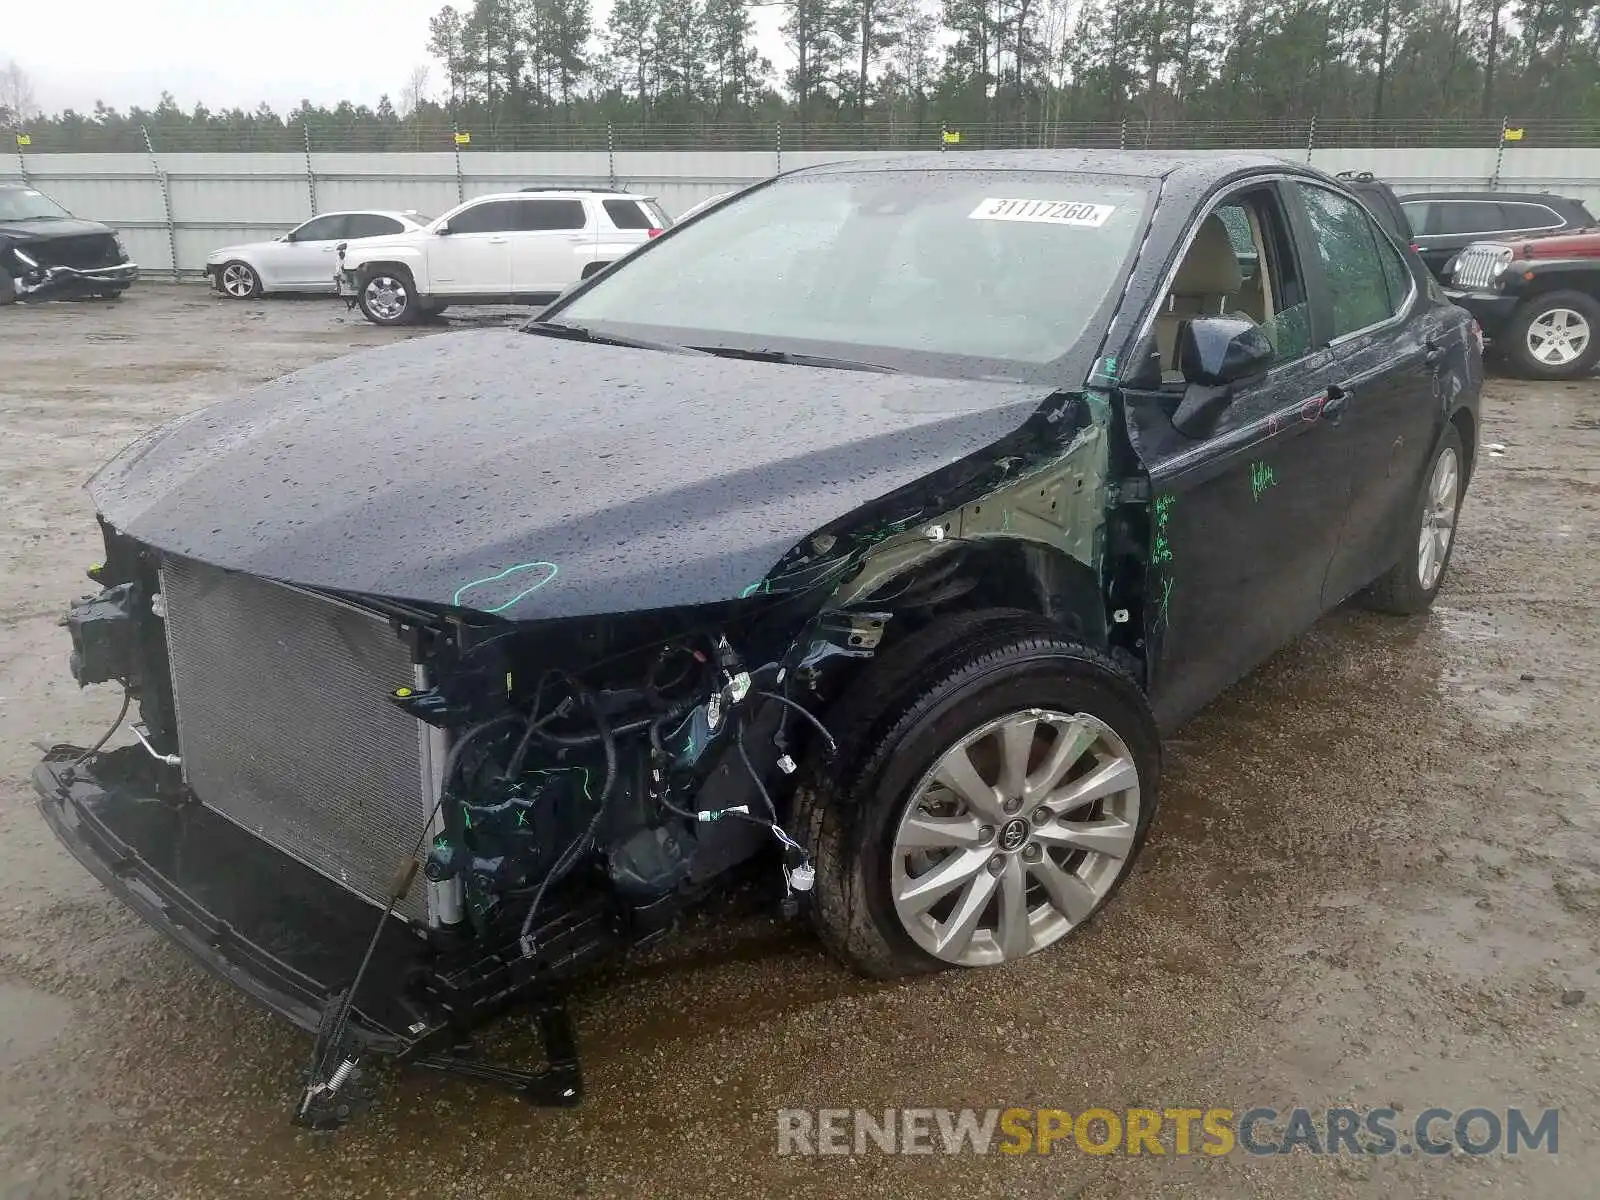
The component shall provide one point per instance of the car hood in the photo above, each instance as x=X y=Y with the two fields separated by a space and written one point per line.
x=37 y=229
x=223 y=252
x=1559 y=243
x=475 y=468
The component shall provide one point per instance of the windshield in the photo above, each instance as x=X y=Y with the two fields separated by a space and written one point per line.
x=993 y=272
x=25 y=204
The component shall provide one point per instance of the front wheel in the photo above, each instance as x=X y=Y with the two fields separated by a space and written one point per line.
x=387 y=298
x=994 y=784
x=1555 y=336
x=1410 y=585
x=239 y=281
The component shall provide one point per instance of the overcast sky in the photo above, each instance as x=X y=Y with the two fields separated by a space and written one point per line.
x=227 y=53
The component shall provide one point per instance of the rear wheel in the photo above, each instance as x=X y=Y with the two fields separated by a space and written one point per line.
x=388 y=297
x=239 y=281
x=1555 y=335
x=994 y=784
x=1411 y=584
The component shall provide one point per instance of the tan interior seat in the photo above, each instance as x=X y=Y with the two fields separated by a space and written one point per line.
x=1206 y=283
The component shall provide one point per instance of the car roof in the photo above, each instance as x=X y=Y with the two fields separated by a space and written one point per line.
x=543 y=193
x=1484 y=194
x=1138 y=164
x=408 y=213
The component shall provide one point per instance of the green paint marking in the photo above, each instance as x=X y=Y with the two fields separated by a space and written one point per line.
x=1111 y=365
x=1005 y=519
x=1166 y=600
x=1262 y=477
x=1162 y=550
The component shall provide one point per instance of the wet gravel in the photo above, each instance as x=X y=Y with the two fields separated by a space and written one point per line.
x=1375 y=880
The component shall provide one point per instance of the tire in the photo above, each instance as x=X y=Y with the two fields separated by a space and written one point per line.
x=388 y=296
x=1409 y=586
x=915 y=703
x=238 y=280
x=8 y=288
x=1555 y=322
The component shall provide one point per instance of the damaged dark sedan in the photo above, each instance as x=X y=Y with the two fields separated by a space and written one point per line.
x=865 y=533
x=46 y=253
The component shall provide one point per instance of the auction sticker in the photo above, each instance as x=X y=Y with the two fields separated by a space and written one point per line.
x=1049 y=212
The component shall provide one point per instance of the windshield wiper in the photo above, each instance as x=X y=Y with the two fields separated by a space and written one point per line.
x=577 y=333
x=796 y=359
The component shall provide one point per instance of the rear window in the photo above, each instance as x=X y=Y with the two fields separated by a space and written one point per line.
x=552 y=214
x=627 y=214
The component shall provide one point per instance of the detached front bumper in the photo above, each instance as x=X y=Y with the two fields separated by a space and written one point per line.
x=43 y=282
x=266 y=924
x=1492 y=310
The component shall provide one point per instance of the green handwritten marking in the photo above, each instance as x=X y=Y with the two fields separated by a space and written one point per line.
x=1162 y=550
x=1166 y=600
x=1262 y=477
x=1111 y=365
x=1005 y=519
x=550 y=569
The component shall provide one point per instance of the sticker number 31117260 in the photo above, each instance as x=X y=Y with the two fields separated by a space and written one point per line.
x=1050 y=212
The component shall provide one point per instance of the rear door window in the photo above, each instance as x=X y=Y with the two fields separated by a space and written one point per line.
x=364 y=225
x=544 y=215
x=1350 y=247
x=1466 y=216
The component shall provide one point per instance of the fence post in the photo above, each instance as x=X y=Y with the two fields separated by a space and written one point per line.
x=461 y=187
x=311 y=173
x=1122 y=134
x=611 y=155
x=166 y=200
x=1311 y=138
x=22 y=159
x=778 y=142
x=1499 y=153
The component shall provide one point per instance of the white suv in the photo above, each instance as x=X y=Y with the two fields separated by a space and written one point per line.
x=510 y=248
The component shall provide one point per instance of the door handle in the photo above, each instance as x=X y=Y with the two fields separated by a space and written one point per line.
x=1434 y=353
x=1337 y=400
x=497 y=241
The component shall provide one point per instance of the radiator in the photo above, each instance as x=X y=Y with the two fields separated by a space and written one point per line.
x=1475 y=268
x=285 y=729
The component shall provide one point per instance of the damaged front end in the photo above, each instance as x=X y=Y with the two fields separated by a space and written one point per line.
x=392 y=819
x=390 y=824
x=45 y=269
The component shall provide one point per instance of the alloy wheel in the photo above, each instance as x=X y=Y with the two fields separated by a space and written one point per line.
x=1558 y=337
x=1015 y=836
x=386 y=297
x=239 y=281
x=1438 y=518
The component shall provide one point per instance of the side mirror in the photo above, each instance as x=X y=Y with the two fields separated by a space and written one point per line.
x=442 y=228
x=1216 y=355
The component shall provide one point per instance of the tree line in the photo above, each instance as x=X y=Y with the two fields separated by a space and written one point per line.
x=544 y=74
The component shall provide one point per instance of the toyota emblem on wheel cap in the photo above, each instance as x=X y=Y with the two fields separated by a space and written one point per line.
x=1014 y=834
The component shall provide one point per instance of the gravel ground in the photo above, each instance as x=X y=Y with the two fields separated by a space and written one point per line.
x=1375 y=880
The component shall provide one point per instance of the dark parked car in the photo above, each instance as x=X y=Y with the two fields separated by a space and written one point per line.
x=1446 y=223
x=46 y=252
x=1380 y=198
x=1537 y=299
x=829 y=524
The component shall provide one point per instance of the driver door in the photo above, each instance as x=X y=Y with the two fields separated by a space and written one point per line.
x=1245 y=516
x=474 y=257
x=306 y=259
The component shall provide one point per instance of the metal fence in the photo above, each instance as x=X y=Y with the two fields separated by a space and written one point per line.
x=175 y=206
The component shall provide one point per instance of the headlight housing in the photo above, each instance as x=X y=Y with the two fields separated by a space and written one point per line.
x=122 y=246
x=1502 y=261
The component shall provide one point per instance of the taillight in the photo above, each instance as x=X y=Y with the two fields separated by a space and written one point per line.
x=1416 y=247
x=655 y=233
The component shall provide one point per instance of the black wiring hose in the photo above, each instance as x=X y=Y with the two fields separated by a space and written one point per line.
x=320 y=1062
x=573 y=852
x=127 y=699
x=795 y=705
